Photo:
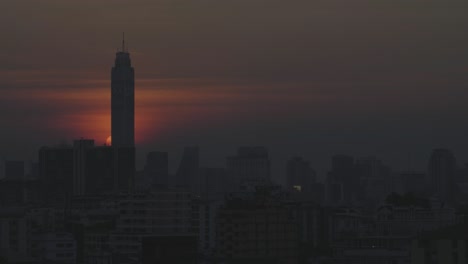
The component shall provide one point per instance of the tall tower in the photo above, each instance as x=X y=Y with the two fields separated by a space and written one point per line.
x=123 y=100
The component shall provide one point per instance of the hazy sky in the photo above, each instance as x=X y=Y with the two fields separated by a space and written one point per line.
x=385 y=78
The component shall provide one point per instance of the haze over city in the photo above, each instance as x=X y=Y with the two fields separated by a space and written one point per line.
x=311 y=78
x=233 y=131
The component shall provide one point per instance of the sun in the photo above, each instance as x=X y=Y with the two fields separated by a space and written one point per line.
x=109 y=141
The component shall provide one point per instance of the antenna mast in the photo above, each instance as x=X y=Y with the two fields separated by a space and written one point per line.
x=123 y=41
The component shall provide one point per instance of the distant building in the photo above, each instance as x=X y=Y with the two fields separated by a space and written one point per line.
x=187 y=173
x=414 y=182
x=156 y=172
x=299 y=175
x=84 y=169
x=19 y=192
x=56 y=173
x=80 y=150
x=441 y=170
x=100 y=169
x=373 y=177
x=251 y=165
x=341 y=181
x=212 y=182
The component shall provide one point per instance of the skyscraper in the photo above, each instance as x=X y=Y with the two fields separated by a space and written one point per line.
x=123 y=100
x=123 y=120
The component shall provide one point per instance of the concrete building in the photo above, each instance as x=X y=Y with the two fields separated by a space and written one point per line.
x=187 y=174
x=80 y=150
x=441 y=171
x=256 y=229
x=251 y=165
x=299 y=175
x=56 y=173
x=156 y=171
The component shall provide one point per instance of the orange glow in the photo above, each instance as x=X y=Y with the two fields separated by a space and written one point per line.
x=81 y=109
x=109 y=141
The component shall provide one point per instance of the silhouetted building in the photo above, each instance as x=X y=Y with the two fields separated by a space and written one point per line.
x=80 y=150
x=56 y=173
x=124 y=168
x=19 y=192
x=85 y=169
x=123 y=120
x=101 y=174
x=122 y=100
x=251 y=165
x=442 y=167
x=187 y=173
x=372 y=175
x=414 y=182
x=341 y=180
x=212 y=183
x=156 y=171
x=299 y=175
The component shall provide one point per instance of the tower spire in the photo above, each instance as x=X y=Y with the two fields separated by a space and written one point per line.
x=123 y=41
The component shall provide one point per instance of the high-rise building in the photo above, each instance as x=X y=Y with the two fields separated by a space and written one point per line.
x=341 y=179
x=374 y=180
x=123 y=100
x=157 y=169
x=251 y=166
x=187 y=173
x=56 y=173
x=80 y=148
x=300 y=175
x=442 y=166
x=123 y=120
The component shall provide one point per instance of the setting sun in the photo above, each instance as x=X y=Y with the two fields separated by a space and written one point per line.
x=109 y=141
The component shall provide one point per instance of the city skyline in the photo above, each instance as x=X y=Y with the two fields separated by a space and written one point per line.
x=307 y=79
x=234 y=131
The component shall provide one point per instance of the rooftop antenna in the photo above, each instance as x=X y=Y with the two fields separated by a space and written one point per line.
x=123 y=41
